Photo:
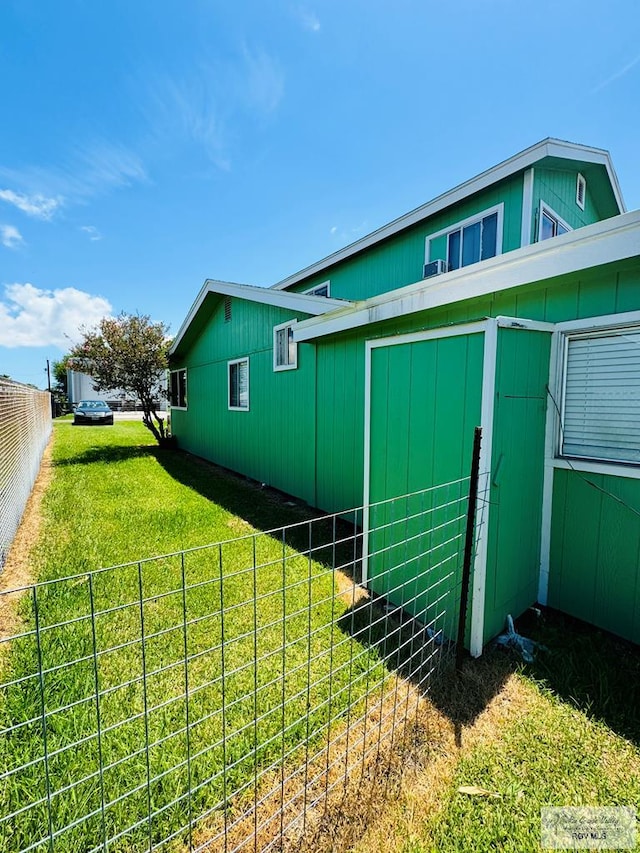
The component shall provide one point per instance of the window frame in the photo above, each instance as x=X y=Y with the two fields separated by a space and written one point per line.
x=185 y=399
x=231 y=363
x=465 y=223
x=313 y=291
x=289 y=365
x=546 y=208
x=603 y=464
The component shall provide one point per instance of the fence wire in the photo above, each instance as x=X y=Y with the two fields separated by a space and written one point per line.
x=25 y=427
x=221 y=698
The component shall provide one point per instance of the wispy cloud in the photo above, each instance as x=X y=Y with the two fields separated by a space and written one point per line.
x=91 y=170
x=38 y=205
x=10 y=237
x=31 y=317
x=92 y=232
x=308 y=19
x=624 y=70
x=264 y=80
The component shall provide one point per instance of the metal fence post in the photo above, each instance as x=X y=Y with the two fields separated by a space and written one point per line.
x=468 y=545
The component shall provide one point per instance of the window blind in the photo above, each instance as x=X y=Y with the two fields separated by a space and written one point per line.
x=602 y=397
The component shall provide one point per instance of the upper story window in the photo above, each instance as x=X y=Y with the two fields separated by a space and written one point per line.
x=469 y=241
x=319 y=289
x=285 y=349
x=239 y=384
x=178 y=389
x=601 y=396
x=550 y=224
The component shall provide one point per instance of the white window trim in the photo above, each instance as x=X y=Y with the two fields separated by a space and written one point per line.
x=477 y=217
x=581 y=181
x=546 y=208
x=229 y=406
x=316 y=287
x=179 y=408
x=554 y=456
x=294 y=364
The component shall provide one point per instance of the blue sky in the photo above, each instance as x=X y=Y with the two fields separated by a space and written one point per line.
x=146 y=146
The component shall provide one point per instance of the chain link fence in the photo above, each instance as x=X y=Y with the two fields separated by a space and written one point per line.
x=25 y=427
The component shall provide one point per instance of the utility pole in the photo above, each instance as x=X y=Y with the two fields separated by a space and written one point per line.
x=48 y=377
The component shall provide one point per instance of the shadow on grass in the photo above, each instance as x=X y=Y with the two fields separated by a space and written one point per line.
x=589 y=669
x=108 y=453
x=419 y=655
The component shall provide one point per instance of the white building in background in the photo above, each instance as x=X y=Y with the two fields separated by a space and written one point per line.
x=80 y=387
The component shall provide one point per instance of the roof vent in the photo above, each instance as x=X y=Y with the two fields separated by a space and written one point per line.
x=227 y=309
x=581 y=191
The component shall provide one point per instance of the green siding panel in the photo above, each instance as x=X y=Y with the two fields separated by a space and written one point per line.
x=399 y=260
x=425 y=403
x=595 y=550
x=517 y=475
x=557 y=189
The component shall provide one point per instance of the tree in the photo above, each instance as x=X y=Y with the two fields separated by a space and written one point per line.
x=128 y=352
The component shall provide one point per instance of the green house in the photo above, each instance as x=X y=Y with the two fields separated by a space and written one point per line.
x=512 y=302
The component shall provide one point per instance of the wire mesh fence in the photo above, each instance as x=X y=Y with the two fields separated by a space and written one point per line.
x=221 y=698
x=25 y=427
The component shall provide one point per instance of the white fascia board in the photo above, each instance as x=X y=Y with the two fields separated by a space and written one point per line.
x=524 y=160
x=611 y=240
x=313 y=305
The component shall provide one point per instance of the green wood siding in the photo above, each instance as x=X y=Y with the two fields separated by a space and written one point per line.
x=517 y=475
x=595 y=551
x=273 y=442
x=399 y=260
x=425 y=403
x=558 y=189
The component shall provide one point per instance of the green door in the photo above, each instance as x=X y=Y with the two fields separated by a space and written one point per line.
x=425 y=400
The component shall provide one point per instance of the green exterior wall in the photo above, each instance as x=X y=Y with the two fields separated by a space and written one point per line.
x=595 y=551
x=273 y=442
x=399 y=260
x=557 y=189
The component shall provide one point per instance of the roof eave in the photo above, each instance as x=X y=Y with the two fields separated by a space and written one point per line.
x=604 y=242
x=305 y=304
x=549 y=147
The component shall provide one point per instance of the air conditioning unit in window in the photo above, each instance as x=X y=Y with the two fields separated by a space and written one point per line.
x=434 y=268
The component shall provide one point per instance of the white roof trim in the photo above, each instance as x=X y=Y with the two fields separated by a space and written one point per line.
x=313 y=305
x=611 y=240
x=524 y=160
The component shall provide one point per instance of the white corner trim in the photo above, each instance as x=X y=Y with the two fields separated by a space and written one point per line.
x=527 y=208
x=479 y=578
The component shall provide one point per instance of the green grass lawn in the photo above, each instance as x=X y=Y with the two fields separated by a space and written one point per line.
x=116 y=498
x=563 y=731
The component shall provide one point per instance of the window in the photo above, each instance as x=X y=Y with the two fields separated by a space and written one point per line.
x=475 y=242
x=601 y=401
x=550 y=224
x=581 y=190
x=239 y=384
x=474 y=239
x=319 y=289
x=178 y=389
x=285 y=349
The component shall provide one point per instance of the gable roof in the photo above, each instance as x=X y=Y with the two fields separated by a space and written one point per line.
x=304 y=303
x=603 y=242
x=552 y=152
